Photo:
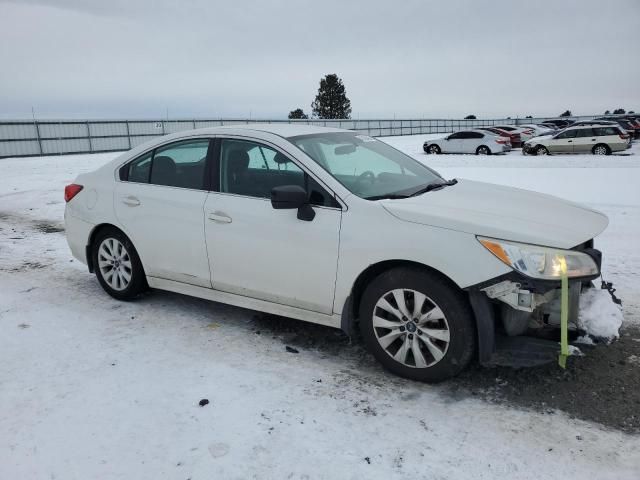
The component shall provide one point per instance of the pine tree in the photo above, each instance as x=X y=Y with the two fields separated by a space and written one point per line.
x=470 y=117
x=298 y=113
x=331 y=101
x=607 y=112
x=618 y=111
x=566 y=113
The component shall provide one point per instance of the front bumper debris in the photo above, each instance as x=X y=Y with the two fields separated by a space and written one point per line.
x=519 y=318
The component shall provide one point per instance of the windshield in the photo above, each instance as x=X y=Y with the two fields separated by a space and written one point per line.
x=365 y=166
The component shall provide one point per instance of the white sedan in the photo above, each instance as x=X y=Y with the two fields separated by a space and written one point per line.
x=478 y=142
x=336 y=228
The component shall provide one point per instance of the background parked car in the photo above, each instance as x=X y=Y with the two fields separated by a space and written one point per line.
x=559 y=122
x=630 y=125
x=538 y=129
x=596 y=139
x=525 y=133
x=514 y=137
x=468 y=141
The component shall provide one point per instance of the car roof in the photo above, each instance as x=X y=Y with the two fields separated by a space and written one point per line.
x=283 y=129
x=476 y=130
x=596 y=124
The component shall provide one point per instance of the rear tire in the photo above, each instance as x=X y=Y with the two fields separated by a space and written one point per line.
x=434 y=149
x=417 y=325
x=541 y=150
x=601 y=149
x=117 y=265
x=483 y=150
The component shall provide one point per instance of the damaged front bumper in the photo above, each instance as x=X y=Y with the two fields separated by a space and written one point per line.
x=524 y=314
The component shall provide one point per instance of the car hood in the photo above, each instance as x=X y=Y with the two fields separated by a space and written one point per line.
x=502 y=212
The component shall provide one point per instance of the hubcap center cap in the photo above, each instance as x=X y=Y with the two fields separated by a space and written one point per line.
x=411 y=327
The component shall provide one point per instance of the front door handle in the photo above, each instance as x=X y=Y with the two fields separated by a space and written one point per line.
x=569 y=141
x=131 y=201
x=219 y=217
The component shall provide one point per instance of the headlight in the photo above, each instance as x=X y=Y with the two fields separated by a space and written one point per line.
x=541 y=262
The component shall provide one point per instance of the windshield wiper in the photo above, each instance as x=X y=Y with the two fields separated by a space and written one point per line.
x=392 y=196
x=425 y=189
x=433 y=186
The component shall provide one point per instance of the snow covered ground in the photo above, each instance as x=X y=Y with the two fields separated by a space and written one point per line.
x=94 y=388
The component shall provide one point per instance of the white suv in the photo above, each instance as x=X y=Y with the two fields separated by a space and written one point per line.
x=596 y=139
x=332 y=227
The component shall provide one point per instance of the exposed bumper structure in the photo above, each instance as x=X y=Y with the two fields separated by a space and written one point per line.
x=517 y=306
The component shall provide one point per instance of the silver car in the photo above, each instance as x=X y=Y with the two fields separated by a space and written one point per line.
x=478 y=142
x=596 y=139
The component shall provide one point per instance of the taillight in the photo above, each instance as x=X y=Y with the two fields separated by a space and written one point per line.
x=501 y=140
x=71 y=191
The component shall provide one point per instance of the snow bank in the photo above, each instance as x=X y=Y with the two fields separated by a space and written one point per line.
x=599 y=317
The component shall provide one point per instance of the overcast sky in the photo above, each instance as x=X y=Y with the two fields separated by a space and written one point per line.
x=234 y=58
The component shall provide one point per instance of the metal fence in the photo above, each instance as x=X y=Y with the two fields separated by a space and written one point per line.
x=22 y=138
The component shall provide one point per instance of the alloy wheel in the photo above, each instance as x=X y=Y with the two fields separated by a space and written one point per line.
x=114 y=263
x=434 y=149
x=411 y=328
x=600 y=150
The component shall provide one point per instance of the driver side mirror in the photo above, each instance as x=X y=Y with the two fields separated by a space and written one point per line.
x=290 y=197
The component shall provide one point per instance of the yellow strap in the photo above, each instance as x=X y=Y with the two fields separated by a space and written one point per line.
x=564 y=314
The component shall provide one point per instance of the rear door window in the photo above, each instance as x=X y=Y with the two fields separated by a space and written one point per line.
x=566 y=134
x=585 y=132
x=138 y=171
x=181 y=164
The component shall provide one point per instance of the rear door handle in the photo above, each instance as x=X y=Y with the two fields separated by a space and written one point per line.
x=219 y=217
x=131 y=201
x=569 y=141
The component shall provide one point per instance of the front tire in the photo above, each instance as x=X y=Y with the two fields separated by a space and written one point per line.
x=483 y=150
x=117 y=265
x=541 y=150
x=434 y=149
x=417 y=325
